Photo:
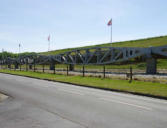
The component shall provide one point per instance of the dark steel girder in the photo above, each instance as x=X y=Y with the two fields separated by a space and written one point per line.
x=96 y=55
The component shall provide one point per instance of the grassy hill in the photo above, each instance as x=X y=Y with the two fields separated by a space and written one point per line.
x=148 y=42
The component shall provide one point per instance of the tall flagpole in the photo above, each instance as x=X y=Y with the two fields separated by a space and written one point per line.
x=19 y=48
x=48 y=42
x=110 y=24
x=48 y=46
x=111 y=30
x=2 y=53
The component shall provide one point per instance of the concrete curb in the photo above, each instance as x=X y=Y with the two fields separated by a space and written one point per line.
x=106 y=89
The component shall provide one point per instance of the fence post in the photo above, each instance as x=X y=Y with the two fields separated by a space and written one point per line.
x=83 y=71
x=104 y=71
x=34 y=65
x=9 y=66
x=54 y=70
x=52 y=67
x=130 y=75
x=71 y=67
x=16 y=66
x=30 y=66
x=43 y=68
x=67 y=70
x=26 y=67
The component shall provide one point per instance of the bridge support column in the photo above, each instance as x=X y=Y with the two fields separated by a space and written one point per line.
x=71 y=67
x=52 y=66
x=16 y=66
x=9 y=66
x=151 y=66
x=30 y=66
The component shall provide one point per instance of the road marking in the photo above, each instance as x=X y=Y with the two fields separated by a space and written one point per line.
x=42 y=85
x=133 y=97
x=45 y=86
x=71 y=92
x=37 y=86
x=134 y=105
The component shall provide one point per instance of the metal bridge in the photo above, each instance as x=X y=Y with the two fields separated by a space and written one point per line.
x=95 y=56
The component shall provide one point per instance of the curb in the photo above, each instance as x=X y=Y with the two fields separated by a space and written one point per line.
x=106 y=89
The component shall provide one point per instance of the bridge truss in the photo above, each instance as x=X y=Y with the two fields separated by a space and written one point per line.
x=95 y=56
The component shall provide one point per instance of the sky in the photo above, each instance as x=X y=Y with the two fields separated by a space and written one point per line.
x=75 y=23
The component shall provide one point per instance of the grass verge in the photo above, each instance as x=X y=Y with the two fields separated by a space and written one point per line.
x=157 y=90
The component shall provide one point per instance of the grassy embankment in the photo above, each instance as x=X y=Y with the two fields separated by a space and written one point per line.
x=148 y=42
x=146 y=88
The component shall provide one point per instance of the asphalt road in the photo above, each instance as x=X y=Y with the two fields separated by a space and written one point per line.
x=43 y=104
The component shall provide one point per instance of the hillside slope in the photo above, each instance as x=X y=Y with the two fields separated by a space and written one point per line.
x=148 y=42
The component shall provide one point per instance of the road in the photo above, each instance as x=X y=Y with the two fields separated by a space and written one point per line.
x=43 y=104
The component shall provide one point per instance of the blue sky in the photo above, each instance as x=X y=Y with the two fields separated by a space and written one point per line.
x=73 y=23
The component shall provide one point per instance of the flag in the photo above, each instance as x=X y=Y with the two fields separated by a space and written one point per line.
x=49 y=38
x=110 y=22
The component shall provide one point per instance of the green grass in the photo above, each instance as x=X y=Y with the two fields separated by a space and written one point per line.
x=155 y=89
x=148 y=42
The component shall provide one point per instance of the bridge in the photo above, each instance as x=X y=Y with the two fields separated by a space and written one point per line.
x=95 y=56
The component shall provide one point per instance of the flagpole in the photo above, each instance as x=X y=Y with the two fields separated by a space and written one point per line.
x=111 y=31
x=48 y=43
x=19 y=48
x=48 y=46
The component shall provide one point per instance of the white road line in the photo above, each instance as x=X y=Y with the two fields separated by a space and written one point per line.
x=71 y=89
x=43 y=86
x=133 y=97
x=37 y=86
x=71 y=92
x=134 y=105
